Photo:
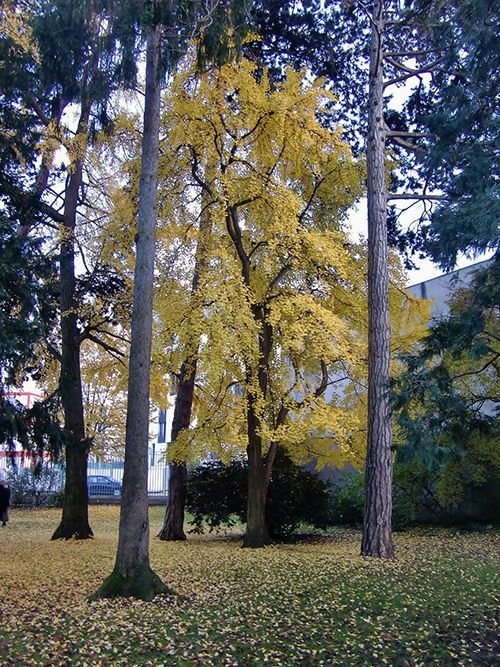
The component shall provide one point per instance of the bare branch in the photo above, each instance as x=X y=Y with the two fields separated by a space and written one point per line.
x=409 y=54
x=409 y=135
x=324 y=380
x=421 y=197
x=407 y=144
x=110 y=349
x=410 y=72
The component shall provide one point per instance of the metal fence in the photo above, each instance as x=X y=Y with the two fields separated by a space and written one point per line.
x=17 y=462
x=158 y=474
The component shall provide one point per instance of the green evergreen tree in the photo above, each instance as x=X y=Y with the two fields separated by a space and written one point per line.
x=447 y=399
x=62 y=55
x=164 y=25
x=443 y=142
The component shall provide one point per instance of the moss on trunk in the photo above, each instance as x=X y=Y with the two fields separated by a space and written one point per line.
x=139 y=582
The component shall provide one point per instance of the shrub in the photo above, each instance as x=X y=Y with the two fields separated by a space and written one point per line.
x=217 y=496
x=296 y=496
x=40 y=485
x=347 y=500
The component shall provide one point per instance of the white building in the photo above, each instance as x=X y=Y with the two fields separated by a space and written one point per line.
x=439 y=290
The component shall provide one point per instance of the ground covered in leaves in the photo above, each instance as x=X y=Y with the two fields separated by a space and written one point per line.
x=311 y=603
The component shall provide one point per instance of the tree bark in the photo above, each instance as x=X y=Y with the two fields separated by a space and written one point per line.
x=377 y=536
x=259 y=468
x=257 y=533
x=173 y=523
x=132 y=574
x=74 y=521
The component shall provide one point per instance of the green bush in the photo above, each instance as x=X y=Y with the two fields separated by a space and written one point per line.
x=347 y=500
x=296 y=496
x=217 y=496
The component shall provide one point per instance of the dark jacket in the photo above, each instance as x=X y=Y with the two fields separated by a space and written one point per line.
x=4 y=496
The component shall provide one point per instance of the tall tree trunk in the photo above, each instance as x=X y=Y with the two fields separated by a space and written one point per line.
x=259 y=469
x=257 y=533
x=173 y=523
x=132 y=574
x=377 y=536
x=74 y=522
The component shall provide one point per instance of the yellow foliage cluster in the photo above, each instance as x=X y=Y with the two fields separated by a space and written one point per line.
x=281 y=293
x=17 y=29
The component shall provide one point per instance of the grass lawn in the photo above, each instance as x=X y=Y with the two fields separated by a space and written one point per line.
x=316 y=603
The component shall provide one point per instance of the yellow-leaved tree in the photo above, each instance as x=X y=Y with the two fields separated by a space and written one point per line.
x=261 y=295
x=277 y=323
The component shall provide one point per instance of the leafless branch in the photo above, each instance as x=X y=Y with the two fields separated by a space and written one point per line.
x=409 y=54
x=476 y=371
x=110 y=349
x=421 y=197
x=410 y=72
x=406 y=144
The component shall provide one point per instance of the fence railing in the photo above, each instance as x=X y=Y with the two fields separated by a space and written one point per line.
x=158 y=473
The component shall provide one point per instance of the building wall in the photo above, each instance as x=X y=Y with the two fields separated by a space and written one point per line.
x=439 y=290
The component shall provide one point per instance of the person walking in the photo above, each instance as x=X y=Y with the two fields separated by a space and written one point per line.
x=4 y=501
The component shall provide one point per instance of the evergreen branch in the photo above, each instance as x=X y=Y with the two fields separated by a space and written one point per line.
x=426 y=69
x=51 y=212
x=367 y=12
x=37 y=108
x=53 y=351
x=409 y=135
x=491 y=335
x=417 y=72
x=31 y=199
x=409 y=54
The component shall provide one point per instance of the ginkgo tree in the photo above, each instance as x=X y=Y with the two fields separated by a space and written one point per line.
x=279 y=322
